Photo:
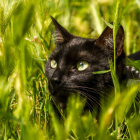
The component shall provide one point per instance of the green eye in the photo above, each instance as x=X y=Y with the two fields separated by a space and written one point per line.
x=82 y=65
x=53 y=64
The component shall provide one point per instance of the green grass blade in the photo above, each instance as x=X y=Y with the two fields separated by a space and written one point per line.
x=108 y=24
x=116 y=24
x=95 y=11
x=128 y=97
x=114 y=78
x=1 y=21
x=101 y=72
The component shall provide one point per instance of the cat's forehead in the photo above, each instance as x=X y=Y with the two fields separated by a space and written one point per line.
x=76 y=42
x=75 y=49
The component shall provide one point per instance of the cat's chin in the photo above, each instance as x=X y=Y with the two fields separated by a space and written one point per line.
x=61 y=101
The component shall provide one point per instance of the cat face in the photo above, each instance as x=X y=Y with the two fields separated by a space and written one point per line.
x=70 y=67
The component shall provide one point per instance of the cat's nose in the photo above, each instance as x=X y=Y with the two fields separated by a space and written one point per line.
x=55 y=81
x=56 y=78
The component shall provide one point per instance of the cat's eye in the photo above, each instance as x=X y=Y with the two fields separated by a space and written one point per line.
x=53 y=64
x=82 y=65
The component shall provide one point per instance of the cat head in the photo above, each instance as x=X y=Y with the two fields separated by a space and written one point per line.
x=71 y=65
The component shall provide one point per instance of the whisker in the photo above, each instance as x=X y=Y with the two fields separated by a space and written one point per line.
x=96 y=90
x=91 y=90
x=91 y=98
x=90 y=106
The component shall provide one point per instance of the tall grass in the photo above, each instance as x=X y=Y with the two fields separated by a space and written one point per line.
x=25 y=45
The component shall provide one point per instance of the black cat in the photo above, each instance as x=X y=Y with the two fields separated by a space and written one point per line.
x=135 y=56
x=71 y=65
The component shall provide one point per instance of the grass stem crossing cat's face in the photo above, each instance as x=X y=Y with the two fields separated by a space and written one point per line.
x=70 y=67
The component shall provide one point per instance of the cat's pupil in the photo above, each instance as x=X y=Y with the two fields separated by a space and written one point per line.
x=81 y=64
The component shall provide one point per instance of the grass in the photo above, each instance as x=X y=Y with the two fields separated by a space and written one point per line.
x=25 y=45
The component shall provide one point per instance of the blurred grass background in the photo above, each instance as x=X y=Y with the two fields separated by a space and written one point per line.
x=25 y=44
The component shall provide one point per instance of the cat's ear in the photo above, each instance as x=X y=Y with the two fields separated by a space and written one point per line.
x=61 y=34
x=106 y=39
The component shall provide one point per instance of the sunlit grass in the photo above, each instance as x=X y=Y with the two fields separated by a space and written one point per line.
x=25 y=45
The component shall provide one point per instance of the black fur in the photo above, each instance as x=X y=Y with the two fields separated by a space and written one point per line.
x=66 y=79
x=135 y=56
